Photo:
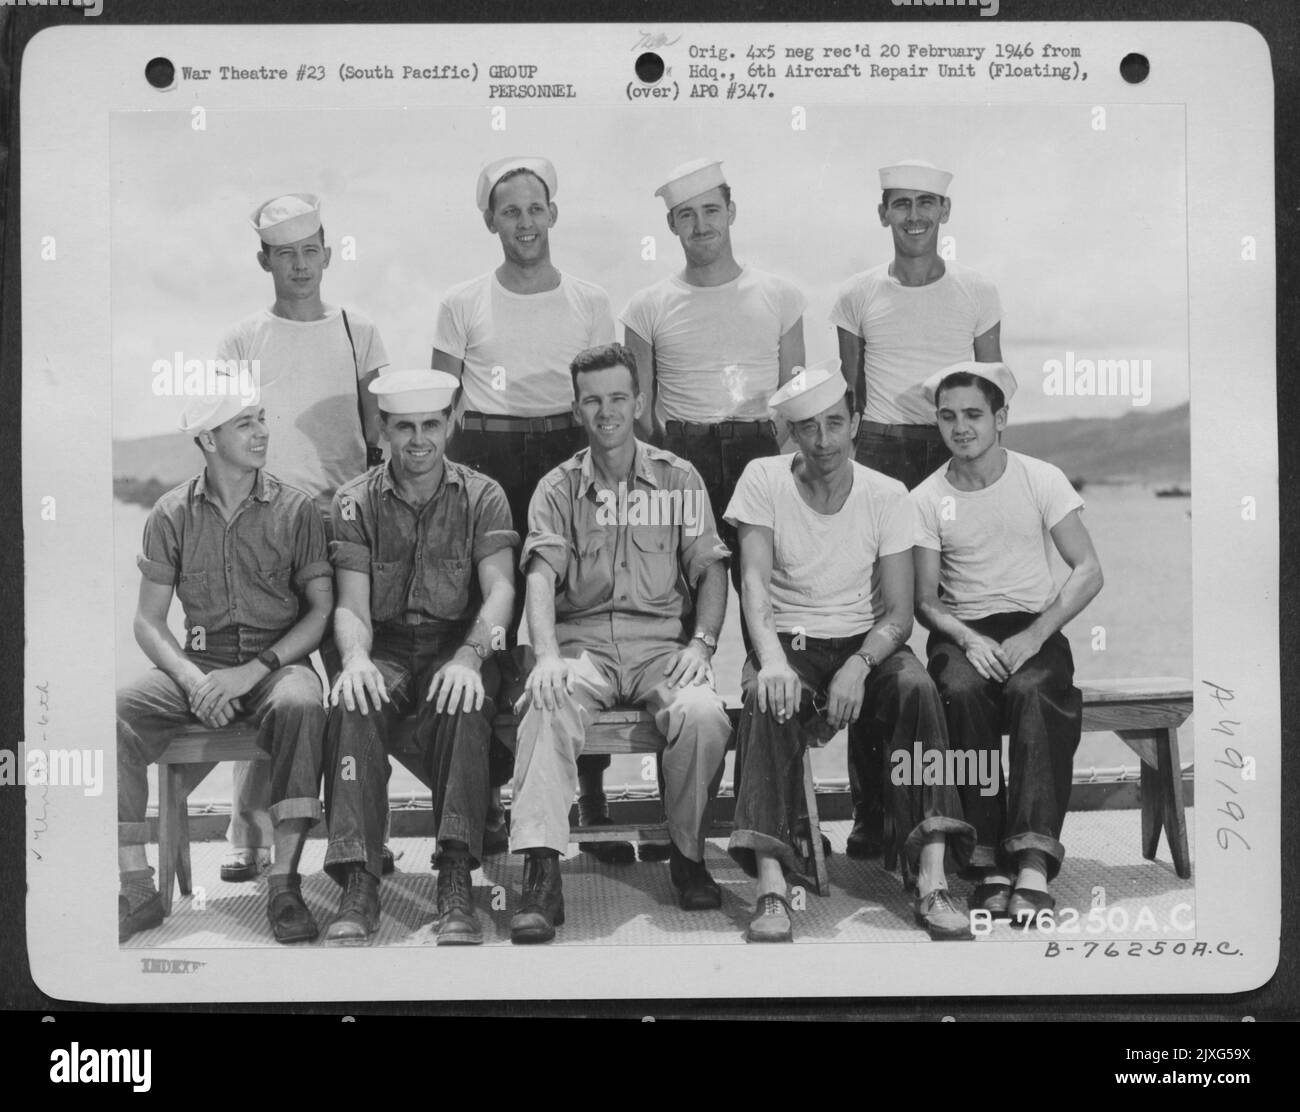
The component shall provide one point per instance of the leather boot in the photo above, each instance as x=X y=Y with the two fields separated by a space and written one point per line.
x=542 y=905
x=458 y=925
x=358 y=914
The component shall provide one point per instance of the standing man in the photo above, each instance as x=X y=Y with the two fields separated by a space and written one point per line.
x=246 y=555
x=898 y=323
x=715 y=341
x=826 y=554
x=618 y=538
x=984 y=588
x=509 y=336
x=313 y=360
x=423 y=549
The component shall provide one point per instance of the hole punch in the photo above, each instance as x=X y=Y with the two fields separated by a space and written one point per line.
x=1134 y=68
x=649 y=67
x=160 y=73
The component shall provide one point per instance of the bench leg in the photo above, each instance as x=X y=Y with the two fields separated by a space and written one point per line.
x=1162 y=794
x=175 y=782
x=1171 y=797
x=814 y=827
x=1152 y=811
x=171 y=817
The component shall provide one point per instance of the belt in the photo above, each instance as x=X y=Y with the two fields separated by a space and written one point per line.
x=902 y=432
x=723 y=430
x=493 y=422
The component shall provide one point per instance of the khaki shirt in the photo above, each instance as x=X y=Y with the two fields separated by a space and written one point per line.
x=638 y=550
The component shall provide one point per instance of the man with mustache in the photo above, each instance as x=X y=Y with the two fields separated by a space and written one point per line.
x=423 y=551
x=826 y=555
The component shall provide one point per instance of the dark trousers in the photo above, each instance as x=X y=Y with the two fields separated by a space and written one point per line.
x=720 y=461
x=1042 y=711
x=909 y=461
x=453 y=747
x=519 y=461
x=900 y=708
x=286 y=705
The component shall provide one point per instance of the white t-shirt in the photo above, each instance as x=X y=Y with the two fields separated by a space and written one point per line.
x=717 y=348
x=517 y=347
x=825 y=580
x=309 y=388
x=909 y=332
x=995 y=543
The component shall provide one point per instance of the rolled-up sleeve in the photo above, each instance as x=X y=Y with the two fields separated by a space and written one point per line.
x=703 y=546
x=548 y=528
x=160 y=560
x=350 y=548
x=310 y=553
x=493 y=529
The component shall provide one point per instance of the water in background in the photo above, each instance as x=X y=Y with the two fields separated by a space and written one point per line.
x=1145 y=546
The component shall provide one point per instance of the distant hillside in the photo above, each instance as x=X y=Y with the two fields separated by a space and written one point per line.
x=1139 y=447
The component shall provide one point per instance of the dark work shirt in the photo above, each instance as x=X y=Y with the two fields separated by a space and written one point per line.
x=249 y=571
x=422 y=561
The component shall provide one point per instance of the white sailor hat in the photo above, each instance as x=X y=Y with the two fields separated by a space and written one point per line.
x=206 y=412
x=997 y=373
x=418 y=391
x=690 y=179
x=810 y=391
x=913 y=174
x=493 y=172
x=287 y=219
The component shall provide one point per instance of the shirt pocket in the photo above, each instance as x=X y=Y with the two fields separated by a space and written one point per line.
x=654 y=552
x=194 y=589
x=387 y=590
x=591 y=579
x=447 y=585
x=276 y=588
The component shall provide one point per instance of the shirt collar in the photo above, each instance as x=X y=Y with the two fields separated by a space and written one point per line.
x=264 y=486
x=452 y=472
x=641 y=469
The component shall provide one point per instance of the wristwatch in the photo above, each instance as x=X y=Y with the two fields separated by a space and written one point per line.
x=480 y=651
x=867 y=659
x=269 y=658
x=707 y=638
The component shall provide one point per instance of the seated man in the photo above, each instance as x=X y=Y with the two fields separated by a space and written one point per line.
x=617 y=537
x=826 y=583
x=242 y=550
x=423 y=549
x=984 y=588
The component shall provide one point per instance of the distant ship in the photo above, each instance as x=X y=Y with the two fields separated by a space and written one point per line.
x=1174 y=491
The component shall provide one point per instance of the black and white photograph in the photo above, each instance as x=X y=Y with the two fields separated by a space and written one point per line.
x=740 y=519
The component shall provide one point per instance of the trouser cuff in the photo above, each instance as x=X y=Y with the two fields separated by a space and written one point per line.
x=959 y=843
x=341 y=854
x=132 y=833
x=1055 y=850
x=296 y=809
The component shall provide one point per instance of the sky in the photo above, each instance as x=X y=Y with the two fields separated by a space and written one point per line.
x=1083 y=231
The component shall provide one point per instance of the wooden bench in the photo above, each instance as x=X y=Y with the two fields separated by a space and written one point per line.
x=1146 y=714
x=195 y=750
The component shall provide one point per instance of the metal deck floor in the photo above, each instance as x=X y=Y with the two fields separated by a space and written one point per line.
x=635 y=904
